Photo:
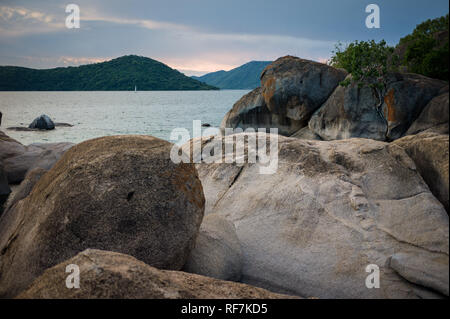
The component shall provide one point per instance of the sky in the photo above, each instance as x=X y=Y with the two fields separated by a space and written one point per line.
x=197 y=36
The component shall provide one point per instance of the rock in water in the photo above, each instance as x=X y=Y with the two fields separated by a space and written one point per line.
x=105 y=274
x=352 y=111
x=217 y=252
x=18 y=159
x=120 y=193
x=433 y=118
x=294 y=88
x=331 y=210
x=42 y=122
x=430 y=153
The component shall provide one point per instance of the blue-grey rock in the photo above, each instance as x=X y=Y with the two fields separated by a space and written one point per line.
x=42 y=122
x=352 y=111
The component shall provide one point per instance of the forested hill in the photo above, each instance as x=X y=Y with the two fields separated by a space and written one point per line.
x=245 y=77
x=120 y=74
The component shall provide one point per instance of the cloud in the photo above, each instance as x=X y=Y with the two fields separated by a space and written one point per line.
x=19 y=21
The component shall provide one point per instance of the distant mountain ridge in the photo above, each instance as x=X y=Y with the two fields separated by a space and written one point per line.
x=245 y=77
x=120 y=74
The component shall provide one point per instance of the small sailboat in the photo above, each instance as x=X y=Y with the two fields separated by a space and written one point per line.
x=135 y=88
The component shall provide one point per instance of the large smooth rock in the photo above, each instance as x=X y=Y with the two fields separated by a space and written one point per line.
x=330 y=210
x=42 y=122
x=18 y=159
x=105 y=275
x=352 y=112
x=251 y=112
x=430 y=153
x=217 y=252
x=433 y=117
x=119 y=193
x=294 y=88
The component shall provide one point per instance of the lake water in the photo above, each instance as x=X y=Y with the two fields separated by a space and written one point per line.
x=96 y=114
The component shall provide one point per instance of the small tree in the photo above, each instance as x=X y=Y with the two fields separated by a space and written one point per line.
x=369 y=63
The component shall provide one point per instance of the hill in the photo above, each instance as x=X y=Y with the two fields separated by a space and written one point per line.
x=245 y=77
x=120 y=74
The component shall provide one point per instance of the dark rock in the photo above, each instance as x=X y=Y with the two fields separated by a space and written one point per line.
x=42 y=122
x=105 y=274
x=120 y=193
x=60 y=124
x=352 y=112
x=4 y=188
x=21 y=129
x=251 y=112
x=294 y=88
x=433 y=117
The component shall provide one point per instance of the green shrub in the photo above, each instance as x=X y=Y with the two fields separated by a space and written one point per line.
x=426 y=50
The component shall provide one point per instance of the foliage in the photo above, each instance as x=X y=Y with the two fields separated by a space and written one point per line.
x=367 y=61
x=120 y=74
x=427 y=48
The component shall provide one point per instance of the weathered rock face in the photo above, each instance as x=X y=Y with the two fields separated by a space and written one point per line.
x=120 y=193
x=105 y=275
x=42 y=122
x=217 y=252
x=4 y=188
x=294 y=88
x=433 y=118
x=306 y=134
x=251 y=112
x=352 y=112
x=18 y=159
x=330 y=210
x=430 y=153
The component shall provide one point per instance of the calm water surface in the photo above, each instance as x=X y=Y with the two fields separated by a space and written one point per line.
x=96 y=114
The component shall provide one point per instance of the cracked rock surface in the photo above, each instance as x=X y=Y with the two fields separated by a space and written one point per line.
x=331 y=209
